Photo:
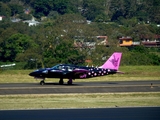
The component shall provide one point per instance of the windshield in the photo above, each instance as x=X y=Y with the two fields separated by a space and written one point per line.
x=57 y=67
x=63 y=67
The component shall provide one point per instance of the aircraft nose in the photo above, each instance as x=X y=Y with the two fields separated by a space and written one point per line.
x=31 y=74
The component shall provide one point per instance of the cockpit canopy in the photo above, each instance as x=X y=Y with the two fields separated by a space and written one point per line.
x=63 y=67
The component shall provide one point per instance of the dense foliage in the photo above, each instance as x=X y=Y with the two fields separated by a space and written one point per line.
x=52 y=41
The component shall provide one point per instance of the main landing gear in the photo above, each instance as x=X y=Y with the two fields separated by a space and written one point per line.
x=70 y=81
x=61 y=82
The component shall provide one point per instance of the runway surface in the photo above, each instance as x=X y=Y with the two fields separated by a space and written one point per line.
x=80 y=87
x=135 y=113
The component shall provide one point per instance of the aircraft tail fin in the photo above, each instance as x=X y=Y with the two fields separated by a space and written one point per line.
x=113 y=62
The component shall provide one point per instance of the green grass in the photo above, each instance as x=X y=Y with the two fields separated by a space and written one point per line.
x=90 y=100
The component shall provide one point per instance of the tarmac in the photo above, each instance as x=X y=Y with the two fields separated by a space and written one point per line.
x=130 y=113
x=80 y=87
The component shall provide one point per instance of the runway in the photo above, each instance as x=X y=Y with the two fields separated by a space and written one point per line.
x=80 y=87
x=130 y=113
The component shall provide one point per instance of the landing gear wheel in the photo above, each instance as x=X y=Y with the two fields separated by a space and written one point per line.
x=61 y=81
x=69 y=82
x=42 y=82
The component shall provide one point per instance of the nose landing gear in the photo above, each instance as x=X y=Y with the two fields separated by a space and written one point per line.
x=42 y=82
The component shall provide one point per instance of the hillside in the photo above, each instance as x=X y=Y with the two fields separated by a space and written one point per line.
x=42 y=33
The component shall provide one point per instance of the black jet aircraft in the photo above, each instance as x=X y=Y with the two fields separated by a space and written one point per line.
x=72 y=72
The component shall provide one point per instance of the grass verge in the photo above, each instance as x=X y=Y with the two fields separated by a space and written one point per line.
x=95 y=100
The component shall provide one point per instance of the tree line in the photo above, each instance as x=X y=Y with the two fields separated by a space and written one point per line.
x=52 y=41
x=94 y=10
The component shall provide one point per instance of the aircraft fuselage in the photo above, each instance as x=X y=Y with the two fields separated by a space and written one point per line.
x=71 y=71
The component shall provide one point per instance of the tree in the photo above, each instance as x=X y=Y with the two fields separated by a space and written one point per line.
x=155 y=14
x=65 y=53
x=4 y=10
x=5 y=1
x=43 y=7
x=61 y=6
x=140 y=32
x=55 y=44
x=17 y=43
x=16 y=9
x=123 y=8
x=92 y=9
x=116 y=9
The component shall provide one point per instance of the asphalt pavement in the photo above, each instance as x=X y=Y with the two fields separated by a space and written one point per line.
x=135 y=113
x=80 y=87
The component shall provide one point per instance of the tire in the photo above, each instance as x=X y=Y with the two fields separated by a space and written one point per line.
x=42 y=83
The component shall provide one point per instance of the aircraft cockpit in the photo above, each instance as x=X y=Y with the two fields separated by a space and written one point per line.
x=67 y=68
x=63 y=67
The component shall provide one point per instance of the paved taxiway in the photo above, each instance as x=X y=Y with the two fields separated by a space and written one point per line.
x=80 y=87
x=135 y=113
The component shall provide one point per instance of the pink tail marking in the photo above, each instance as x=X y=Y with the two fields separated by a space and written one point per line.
x=113 y=62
